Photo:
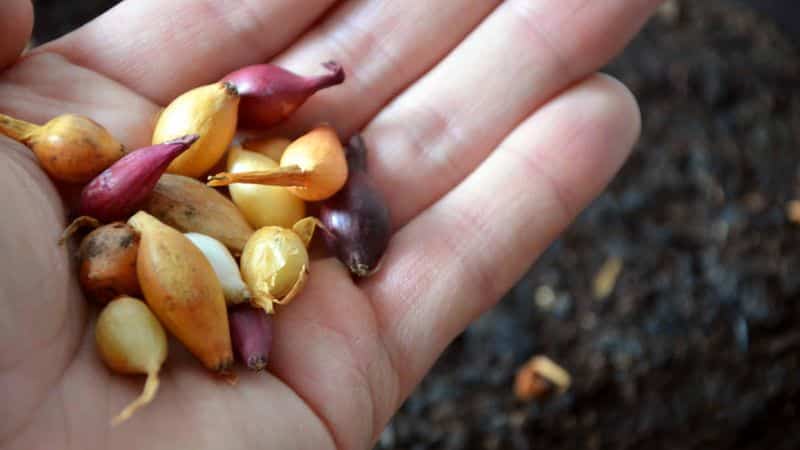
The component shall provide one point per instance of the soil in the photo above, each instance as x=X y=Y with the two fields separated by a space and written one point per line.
x=696 y=345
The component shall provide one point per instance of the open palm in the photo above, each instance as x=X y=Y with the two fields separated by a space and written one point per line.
x=488 y=128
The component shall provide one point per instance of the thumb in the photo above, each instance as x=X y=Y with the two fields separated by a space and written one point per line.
x=41 y=311
x=16 y=21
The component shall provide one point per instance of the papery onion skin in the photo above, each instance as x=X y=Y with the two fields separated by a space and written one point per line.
x=70 y=147
x=270 y=94
x=357 y=219
x=251 y=335
x=107 y=259
x=273 y=264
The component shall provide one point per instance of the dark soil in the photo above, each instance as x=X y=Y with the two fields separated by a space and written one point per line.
x=697 y=345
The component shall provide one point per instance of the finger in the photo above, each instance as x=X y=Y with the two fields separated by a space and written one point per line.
x=438 y=130
x=459 y=256
x=383 y=45
x=44 y=85
x=161 y=49
x=16 y=21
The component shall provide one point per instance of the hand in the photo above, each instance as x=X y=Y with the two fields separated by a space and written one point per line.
x=488 y=128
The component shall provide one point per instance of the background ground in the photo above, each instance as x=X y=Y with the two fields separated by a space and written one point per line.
x=697 y=345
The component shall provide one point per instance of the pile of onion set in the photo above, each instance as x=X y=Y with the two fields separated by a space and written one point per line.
x=160 y=250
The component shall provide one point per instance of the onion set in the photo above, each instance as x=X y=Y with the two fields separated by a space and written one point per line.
x=189 y=205
x=69 y=147
x=107 y=260
x=275 y=262
x=251 y=334
x=270 y=93
x=208 y=111
x=120 y=190
x=313 y=167
x=181 y=288
x=262 y=205
x=130 y=340
x=357 y=220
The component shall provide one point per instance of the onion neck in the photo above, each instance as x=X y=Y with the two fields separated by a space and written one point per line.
x=16 y=129
x=334 y=77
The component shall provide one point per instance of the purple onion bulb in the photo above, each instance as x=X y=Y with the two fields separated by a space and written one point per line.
x=357 y=217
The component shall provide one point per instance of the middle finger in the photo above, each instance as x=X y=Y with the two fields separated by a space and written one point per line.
x=384 y=45
x=524 y=53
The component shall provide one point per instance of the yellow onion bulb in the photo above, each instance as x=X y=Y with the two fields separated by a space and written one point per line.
x=262 y=205
x=274 y=265
x=130 y=340
x=208 y=111
x=320 y=154
x=69 y=147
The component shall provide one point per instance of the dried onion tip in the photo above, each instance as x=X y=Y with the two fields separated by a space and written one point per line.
x=130 y=340
x=107 y=259
x=69 y=147
x=207 y=111
x=183 y=291
x=270 y=93
x=313 y=167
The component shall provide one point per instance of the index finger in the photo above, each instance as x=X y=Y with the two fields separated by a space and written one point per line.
x=159 y=48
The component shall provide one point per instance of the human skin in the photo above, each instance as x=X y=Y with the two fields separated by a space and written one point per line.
x=489 y=130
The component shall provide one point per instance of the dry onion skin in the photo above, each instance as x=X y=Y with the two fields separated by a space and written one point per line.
x=190 y=206
x=130 y=340
x=209 y=111
x=107 y=258
x=183 y=291
x=313 y=167
x=274 y=265
x=69 y=147
x=272 y=147
x=262 y=205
